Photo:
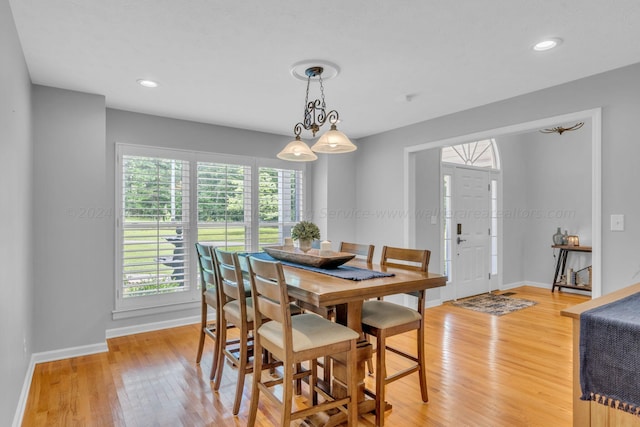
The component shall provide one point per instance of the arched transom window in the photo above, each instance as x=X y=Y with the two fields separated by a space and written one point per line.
x=481 y=154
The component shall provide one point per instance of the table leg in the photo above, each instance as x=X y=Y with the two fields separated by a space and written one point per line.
x=560 y=268
x=351 y=315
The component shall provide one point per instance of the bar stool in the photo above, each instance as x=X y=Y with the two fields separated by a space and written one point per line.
x=293 y=340
x=383 y=319
x=365 y=251
x=209 y=299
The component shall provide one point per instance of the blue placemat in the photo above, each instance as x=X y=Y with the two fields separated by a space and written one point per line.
x=344 y=271
x=610 y=354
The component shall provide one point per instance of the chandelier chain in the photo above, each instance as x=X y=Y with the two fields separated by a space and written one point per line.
x=324 y=105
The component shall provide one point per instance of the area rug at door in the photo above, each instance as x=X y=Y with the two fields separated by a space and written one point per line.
x=494 y=304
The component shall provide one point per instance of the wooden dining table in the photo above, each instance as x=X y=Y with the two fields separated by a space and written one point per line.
x=313 y=289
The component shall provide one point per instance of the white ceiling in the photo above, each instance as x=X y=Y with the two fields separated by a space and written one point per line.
x=228 y=62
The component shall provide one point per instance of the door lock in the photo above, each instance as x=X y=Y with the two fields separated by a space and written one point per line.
x=461 y=240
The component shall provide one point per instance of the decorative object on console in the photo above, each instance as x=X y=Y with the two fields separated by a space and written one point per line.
x=315 y=116
x=557 y=238
x=573 y=241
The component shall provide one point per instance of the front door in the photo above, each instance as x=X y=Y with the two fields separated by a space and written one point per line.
x=471 y=245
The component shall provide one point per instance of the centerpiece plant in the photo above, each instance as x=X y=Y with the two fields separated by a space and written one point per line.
x=305 y=232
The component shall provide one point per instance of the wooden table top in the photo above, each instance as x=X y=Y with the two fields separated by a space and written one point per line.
x=322 y=290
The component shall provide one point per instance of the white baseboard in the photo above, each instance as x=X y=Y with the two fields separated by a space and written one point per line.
x=433 y=303
x=506 y=286
x=50 y=356
x=24 y=394
x=149 y=327
x=66 y=353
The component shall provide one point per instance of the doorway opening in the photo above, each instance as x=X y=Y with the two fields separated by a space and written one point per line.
x=593 y=116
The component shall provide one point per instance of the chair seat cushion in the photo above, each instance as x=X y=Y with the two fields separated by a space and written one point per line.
x=233 y=309
x=308 y=331
x=384 y=314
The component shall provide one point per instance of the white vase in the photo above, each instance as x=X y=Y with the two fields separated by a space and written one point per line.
x=304 y=245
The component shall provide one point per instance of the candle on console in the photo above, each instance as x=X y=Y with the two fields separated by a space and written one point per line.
x=325 y=248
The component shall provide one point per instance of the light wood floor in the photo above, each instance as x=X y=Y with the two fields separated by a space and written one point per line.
x=483 y=370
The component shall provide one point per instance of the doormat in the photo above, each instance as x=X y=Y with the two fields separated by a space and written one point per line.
x=494 y=304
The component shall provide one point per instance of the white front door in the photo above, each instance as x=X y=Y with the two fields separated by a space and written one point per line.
x=471 y=239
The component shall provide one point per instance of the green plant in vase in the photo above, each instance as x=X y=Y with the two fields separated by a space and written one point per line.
x=305 y=232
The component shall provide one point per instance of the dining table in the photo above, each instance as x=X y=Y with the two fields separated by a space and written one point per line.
x=314 y=289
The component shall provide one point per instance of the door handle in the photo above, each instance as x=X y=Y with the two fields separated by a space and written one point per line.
x=461 y=240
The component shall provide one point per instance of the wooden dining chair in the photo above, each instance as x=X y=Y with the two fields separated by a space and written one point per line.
x=365 y=251
x=362 y=250
x=293 y=340
x=236 y=310
x=209 y=300
x=383 y=319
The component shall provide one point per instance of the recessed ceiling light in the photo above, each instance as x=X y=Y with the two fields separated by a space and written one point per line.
x=547 y=44
x=147 y=83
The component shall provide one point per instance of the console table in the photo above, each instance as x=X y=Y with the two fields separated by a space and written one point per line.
x=561 y=265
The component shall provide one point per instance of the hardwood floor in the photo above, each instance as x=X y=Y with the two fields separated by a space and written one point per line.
x=483 y=370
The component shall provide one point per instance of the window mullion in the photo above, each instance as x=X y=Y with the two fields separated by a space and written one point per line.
x=193 y=224
x=255 y=204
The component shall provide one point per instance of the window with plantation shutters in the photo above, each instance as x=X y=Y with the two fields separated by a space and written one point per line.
x=224 y=205
x=155 y=229
x=169 y=199
x=280 y=203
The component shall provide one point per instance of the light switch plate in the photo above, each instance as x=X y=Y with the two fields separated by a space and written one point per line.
x=617 y=222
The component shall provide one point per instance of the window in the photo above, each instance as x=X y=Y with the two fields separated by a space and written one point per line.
x=281 y=203
x=494 y=227
x=447 y=224
x=155 y=226
x=224 y=205
x=169 y=199
x=482 y=154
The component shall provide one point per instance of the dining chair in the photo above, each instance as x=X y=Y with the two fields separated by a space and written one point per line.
x=236 y=310
x=383 y=319
x=365 y=251
x=293 y=340
x=209 y=300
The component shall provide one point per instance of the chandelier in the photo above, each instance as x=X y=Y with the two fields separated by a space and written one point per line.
x=315 y=116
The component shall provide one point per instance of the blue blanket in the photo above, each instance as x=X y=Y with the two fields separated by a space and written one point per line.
x=343 y=271
x=610 y=354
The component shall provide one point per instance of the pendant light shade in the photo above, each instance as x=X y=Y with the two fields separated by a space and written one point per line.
x=297 y=151
x=333 y=141
x=315 y=116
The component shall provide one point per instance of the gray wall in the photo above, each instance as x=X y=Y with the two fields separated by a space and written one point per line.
x=335 y=210
x=546 y=184
x=72 y=246
x=16 y=247
x=617 y=92
x=427 y=205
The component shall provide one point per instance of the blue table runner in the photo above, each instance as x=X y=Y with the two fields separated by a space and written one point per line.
x=610 y=354
x=343 y=272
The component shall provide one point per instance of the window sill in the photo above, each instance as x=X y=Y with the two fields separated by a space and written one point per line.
x=126 y=313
